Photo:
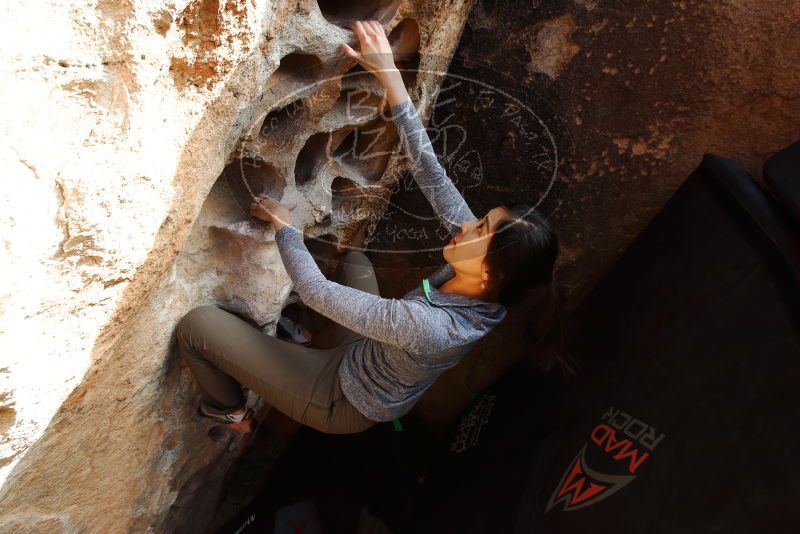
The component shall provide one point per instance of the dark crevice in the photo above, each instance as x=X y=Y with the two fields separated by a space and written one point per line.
x=343 y=13
x=313 y=157
x=404 y=39
x=324 y=249
x=346 y=196
x=249 y=176
x=279 y=122
x=356 y=72
x=297 y=70
x=367 y=148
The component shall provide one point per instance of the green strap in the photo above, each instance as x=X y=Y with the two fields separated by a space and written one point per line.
x=426 y=287
x=397 y=426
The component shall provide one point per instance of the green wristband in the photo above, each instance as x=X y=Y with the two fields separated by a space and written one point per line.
x=426 y=287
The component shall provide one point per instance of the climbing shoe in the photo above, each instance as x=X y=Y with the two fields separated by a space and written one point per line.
x=290 y=331
x=240 y=422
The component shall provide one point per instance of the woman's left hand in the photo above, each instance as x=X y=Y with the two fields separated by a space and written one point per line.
x=269 y=210
x=376 y=54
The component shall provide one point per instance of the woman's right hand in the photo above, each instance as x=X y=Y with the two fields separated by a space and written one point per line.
x=375 y=53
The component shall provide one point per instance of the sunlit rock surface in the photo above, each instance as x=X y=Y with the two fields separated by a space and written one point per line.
x=134 y=135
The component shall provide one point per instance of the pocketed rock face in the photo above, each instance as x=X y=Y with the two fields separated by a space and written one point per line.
x=128 y=128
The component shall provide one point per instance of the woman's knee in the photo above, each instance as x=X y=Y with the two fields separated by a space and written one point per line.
x=356 y=257
x=196 y=320
x=357 y=271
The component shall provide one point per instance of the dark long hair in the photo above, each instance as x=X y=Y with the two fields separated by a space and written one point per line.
x=521 y=259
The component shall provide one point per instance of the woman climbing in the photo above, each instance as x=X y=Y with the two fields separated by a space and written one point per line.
x=390 y=350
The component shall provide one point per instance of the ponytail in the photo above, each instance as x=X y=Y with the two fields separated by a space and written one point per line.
x=522 y=257
x=543 y=342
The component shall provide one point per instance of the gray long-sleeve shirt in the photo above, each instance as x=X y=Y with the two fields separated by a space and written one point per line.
x=408 y=342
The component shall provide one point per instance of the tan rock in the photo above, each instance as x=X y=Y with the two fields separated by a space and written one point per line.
x=127 y=130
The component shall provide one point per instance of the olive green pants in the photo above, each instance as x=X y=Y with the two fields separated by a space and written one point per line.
x=225 y=352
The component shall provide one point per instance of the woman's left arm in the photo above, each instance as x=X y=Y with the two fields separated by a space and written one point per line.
x=376 y=56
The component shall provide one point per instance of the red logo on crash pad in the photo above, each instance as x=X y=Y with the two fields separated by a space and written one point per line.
x=621 y=441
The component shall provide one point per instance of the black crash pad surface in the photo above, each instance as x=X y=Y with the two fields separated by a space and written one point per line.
x=469 y=478
x=688 y=408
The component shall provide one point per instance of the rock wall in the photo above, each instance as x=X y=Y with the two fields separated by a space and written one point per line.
x=633 y=94
x=135 y=133
x=594 y=112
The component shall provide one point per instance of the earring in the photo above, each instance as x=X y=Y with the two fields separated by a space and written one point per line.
x=483 y=284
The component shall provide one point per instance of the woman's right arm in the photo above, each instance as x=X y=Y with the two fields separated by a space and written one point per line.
x=376 y=57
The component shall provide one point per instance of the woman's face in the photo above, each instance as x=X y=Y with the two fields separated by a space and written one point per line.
x=467 y=250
